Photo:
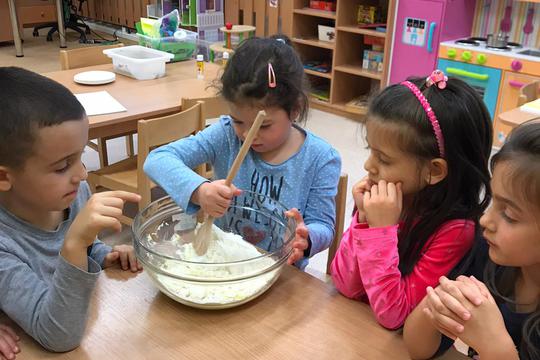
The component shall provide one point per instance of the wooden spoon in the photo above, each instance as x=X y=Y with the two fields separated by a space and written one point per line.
x=204 y=234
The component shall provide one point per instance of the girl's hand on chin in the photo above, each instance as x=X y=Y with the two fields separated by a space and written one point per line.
x=383 y=204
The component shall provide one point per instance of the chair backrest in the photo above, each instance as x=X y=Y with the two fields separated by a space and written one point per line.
x=86 y=56
x=213 y=107
x=156 y=132
x=529 y=92
x=341 y=202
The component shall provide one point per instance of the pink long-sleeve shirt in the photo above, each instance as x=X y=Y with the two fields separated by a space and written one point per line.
x=366 y=267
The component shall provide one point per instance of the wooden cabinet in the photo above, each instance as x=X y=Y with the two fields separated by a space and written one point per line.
x=347 y=80
x=117 y=12
x=508 y=100
x=6 y=34
x=29 y=13
x=32 y=15
x=33 y=12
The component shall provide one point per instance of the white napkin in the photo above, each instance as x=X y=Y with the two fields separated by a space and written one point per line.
x=99 y=103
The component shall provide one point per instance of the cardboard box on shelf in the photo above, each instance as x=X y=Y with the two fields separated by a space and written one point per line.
x=327 y=33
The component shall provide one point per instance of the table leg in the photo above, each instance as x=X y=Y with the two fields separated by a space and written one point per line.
x=15 y=28
x=61 y=28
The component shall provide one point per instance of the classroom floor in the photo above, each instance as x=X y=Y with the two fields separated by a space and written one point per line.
x=344 y=134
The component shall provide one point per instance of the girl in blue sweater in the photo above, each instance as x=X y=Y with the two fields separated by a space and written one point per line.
x=285 y=162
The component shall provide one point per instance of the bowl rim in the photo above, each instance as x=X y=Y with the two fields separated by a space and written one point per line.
x=172 y=206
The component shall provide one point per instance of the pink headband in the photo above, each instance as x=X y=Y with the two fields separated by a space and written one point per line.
x=427 y=108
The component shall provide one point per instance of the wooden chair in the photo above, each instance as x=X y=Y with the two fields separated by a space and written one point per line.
x=85 y=56
x=341 y=203
x=88 y=56
x=529 y=92
x=128 y=174
x=213 y=107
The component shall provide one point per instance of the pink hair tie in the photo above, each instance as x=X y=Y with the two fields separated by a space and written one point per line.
x=430 y=114
x=437 y=77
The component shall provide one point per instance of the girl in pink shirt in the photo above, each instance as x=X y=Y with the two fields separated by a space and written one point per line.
x=418 y=208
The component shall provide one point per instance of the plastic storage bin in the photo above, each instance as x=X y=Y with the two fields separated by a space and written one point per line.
x=138 y=61
x=182 y=45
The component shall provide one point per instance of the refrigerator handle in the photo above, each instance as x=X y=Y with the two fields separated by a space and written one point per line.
x=432 y=27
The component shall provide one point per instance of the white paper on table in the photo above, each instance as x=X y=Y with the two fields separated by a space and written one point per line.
x=98 y=103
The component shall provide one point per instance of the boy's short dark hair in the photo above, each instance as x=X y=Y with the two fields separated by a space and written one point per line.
x=28 y=102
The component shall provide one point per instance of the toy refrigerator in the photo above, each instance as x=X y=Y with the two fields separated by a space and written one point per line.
x=420 y=26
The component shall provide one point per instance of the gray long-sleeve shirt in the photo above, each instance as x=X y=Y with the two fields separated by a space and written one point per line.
x=43 y=293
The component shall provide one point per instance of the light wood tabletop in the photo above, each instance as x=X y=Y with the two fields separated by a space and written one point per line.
x=299 y=317
x=516 y=117
x=143 y=99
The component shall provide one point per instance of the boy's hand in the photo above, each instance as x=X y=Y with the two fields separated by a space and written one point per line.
x=383 y=204
x=125 y=255
x=8 y=343
x=102 y=211
x=300 y=242
x=215 y=197
x=358 y=195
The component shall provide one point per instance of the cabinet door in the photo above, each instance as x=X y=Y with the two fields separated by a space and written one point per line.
x=31 y=15
x=6 y=34
x=417 y=31
x=508 y=100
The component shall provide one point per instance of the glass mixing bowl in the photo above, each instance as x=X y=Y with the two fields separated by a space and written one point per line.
x=232 y=272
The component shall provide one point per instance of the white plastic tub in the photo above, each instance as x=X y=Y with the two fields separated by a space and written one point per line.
x=138 y=61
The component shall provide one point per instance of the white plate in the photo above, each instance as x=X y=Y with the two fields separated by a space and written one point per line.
x=94 y=77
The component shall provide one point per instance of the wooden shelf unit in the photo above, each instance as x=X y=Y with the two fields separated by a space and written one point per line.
x=314 y=42
x=314 y=12
x=318 y=73
x=356 y=69
x=357 y=30
x=347 y=80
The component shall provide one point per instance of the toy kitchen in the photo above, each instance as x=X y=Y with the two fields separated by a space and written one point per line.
x=496 y=51
x=495 y=67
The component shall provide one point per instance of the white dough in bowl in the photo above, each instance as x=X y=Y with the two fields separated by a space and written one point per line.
x=224 y=248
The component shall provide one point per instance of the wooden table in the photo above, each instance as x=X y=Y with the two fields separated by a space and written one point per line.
x=17 y=34
x=299 y=317
x=516 y=117
x=143 y=99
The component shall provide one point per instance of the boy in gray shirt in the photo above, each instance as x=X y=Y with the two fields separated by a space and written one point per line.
x=49 y=255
